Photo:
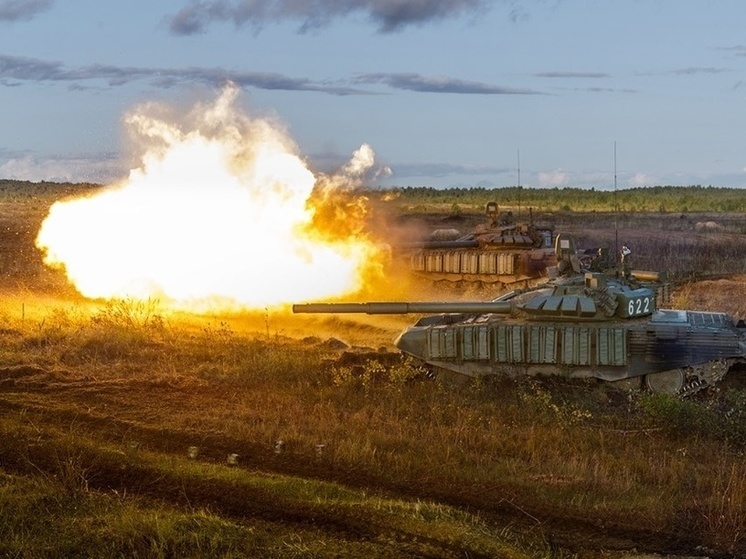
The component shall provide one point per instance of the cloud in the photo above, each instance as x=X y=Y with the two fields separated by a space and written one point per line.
x=22 y=10
x=739 y=50
x=102 y=168
x=408 y=170
x=583 y=76
x=571 y=75
x=697 y=70
x=330 y=160
x=608 y=90
x=16 y=69
x=640 y=179
x=388 y=15
x=445 y=175
x=416 y=82
x=600 y=89
x=29 y=69
x=555 y=178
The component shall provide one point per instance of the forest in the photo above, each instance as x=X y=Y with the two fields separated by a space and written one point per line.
x=663 y=199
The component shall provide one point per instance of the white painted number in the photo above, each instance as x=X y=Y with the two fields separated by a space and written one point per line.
x=639 y=306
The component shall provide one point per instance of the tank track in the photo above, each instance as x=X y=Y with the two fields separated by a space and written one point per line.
x=708 y=374
x=694 y=378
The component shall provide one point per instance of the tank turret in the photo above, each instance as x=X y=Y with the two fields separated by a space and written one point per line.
x=579 y=324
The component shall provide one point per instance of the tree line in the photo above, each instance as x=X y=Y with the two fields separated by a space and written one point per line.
x=662 y=199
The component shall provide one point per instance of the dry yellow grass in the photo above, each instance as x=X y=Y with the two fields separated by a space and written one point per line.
x=567 y=462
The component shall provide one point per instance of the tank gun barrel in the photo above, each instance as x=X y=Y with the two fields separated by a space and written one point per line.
x=472 y=243
x=478 y=307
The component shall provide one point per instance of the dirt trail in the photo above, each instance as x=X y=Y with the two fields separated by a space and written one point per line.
x=98 y=410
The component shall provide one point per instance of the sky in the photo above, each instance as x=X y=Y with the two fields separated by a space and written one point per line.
x=447 y=93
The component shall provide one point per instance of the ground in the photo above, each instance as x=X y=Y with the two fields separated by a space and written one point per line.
x=151 y=393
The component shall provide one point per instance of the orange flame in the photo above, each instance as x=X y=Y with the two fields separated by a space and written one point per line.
x=219 y=215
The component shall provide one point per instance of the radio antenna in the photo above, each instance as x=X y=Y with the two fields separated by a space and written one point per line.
x=616 y=214
x=519 y=184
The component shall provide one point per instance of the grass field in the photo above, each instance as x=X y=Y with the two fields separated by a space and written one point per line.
x=130 y=430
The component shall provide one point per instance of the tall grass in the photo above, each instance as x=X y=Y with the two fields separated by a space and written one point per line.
x=78 y=504
x=541 y=449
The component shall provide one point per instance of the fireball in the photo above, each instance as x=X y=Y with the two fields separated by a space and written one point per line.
x=218 y=215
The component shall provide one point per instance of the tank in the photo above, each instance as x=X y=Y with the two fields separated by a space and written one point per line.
x=578 y=324
x=499 y=254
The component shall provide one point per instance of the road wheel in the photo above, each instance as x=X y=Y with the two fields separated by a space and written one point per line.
x=666 y=382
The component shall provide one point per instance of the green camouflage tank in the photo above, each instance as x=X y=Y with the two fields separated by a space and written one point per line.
x=578 y=324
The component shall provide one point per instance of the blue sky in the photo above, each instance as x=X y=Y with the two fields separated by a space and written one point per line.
x=446 y=92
